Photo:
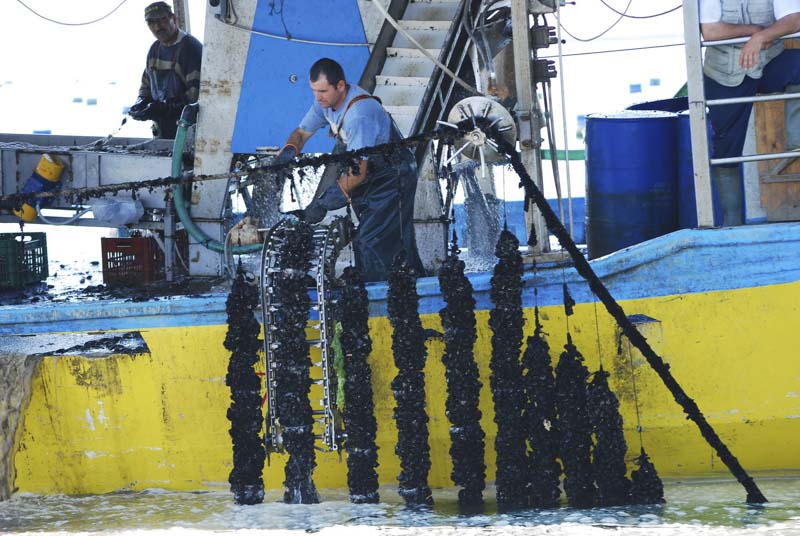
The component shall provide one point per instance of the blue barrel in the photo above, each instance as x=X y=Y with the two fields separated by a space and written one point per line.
x=687 y=204
x=631 y=179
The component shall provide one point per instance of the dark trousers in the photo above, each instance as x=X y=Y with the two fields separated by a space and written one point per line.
x=729 y=122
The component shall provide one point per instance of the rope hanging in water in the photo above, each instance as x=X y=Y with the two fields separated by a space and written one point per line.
x=508 y=393
x=575 y=431
x=463 y=381
x=245 y=410
x=608 y=455
x=359 y=416
x=541 y=421
x=408 y=347
x=293 y=363
x=689 y=406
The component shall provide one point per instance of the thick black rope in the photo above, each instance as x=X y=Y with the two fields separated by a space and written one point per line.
x=689 y=406
x=293 y=363
x=408 y=347
x=359 y=416
x=245 y=410
x=541 y=421
x=463 y=382
x=508 y=392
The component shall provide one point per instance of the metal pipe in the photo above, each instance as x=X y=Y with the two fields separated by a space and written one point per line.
x=753 y=158
x=737 y=40
x=187 y=118
x=755 y=98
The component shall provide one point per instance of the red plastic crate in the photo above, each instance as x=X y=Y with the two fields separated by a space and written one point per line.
x=133 y=261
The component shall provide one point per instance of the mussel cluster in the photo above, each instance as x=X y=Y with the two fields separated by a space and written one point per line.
x=245 y=410
x=508 y=393
x=575 y=429
x=293 y=362
x=408 y=347
x=359 y=416
x=608 y=455
x=463 y=383
x=541 y=421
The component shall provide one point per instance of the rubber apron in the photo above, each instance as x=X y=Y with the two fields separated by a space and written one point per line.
x=384 y=205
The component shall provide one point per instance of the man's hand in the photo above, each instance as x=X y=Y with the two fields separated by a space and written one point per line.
x=285 y=156
x=314 y=213
x=751 y=51
x=140 y=111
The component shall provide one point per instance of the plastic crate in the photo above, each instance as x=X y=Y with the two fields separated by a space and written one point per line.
x=133 y=261
x=23 y=259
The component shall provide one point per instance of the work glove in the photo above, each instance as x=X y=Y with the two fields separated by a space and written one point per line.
x=157 y=109
x=314 y=213
x=140 y=111
x=285 y=156
x=332 y=199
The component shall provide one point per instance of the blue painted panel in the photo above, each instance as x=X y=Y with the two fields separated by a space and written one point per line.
x=271 y=105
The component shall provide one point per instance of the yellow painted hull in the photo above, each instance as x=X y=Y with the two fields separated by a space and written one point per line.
x=158 y=419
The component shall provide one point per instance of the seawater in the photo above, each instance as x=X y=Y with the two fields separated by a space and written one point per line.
x=693 y=507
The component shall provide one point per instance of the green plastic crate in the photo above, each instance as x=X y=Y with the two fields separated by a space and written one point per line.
x=23 y=259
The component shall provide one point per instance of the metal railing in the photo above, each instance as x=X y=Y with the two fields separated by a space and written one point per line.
x=697 y=112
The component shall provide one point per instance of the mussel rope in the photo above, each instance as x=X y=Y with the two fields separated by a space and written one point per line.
x=582 y=266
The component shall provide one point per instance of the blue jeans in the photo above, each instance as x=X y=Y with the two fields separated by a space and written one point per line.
x=729 y=122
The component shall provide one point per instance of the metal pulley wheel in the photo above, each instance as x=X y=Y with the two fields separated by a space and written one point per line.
x=485 y=118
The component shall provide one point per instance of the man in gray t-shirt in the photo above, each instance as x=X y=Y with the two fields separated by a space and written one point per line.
x=380 y=189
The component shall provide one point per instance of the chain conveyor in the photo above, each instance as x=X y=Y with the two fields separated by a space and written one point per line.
x=328 y=242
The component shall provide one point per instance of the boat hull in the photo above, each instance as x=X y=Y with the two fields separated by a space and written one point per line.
x=156 y=417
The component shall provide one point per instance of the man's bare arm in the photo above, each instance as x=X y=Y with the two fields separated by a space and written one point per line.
x=765 y=38
x=349 y=182
x=298 y=138
x=717 y=31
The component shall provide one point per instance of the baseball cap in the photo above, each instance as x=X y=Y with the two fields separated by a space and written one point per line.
x=156 y=10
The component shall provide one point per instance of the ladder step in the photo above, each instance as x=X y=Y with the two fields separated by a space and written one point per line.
x=426 y=38
x=413 y=81
x=402 y=52
x=442 y=25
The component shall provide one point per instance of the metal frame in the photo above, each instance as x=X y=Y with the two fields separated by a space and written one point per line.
x=529 y=116
x=697 y=114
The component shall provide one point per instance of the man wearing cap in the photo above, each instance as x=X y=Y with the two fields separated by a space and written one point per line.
x=171 y=77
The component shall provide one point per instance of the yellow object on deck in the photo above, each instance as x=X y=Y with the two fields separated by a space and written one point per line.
x=49 y=168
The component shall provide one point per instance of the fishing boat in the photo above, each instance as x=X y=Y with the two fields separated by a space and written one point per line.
x=110 y=394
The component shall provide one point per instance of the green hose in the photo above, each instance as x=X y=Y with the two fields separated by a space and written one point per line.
x=187 y=118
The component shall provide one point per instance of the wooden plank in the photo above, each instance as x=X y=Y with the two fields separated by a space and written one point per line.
x=780 y=199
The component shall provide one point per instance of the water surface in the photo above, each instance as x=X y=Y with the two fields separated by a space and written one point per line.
x=695 y=508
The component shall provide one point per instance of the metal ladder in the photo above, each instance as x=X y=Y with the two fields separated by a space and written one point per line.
x=329 y=240
x=698 y=117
